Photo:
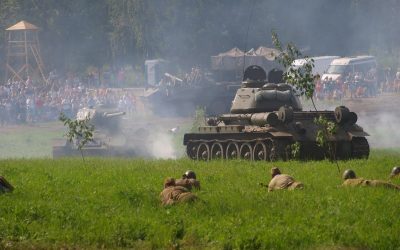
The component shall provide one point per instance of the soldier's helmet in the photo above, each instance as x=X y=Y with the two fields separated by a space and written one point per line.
x=395 y=171
x=169 y=182
x=275 y=171
x=349 y=174
x=190 y=174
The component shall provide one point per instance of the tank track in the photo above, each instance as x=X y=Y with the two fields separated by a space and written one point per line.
x=359 y=147
x=266 y=149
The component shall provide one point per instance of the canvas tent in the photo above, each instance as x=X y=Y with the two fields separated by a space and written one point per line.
x=235 y=58
x=229 y=60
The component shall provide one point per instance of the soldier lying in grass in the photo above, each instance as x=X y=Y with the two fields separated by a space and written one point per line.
x=188 y=180
x=282 y=181
x=351 y=180
x=5 y=186
x=173 y=194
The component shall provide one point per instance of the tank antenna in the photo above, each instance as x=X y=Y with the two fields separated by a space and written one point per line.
x=247 y=36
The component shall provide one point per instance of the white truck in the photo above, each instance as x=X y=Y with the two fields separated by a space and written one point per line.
x=343 y=66
x=321 y=63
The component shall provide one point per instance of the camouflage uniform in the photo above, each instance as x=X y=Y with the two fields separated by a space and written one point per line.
x=5 y=186
x=282 y=181
x=173 y=194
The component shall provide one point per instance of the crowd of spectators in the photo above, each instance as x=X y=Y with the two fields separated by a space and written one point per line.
x=357 y=85
x=28 y=102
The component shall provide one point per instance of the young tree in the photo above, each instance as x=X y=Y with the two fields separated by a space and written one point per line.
x=302 y=79
x=79 y=131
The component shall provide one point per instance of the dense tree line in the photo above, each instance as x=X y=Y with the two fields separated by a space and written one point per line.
x=76 y=34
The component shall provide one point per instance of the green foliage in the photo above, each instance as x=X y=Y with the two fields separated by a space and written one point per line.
x=78 y=130
x=77 y=34
x=301 y=78
x=115 y=204
x=328 y=129
x=324 y=137
x=295 y=150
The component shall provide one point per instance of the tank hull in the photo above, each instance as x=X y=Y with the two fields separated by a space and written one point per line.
x=277 y=142
x=102 y=151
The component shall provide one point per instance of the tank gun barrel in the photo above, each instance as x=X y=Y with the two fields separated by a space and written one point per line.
x=174 y=78
x=113 y=114
x=259 y=119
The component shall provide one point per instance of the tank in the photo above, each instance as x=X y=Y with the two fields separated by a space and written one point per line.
x=267 y=120
x=182 y=100
x=108 y=137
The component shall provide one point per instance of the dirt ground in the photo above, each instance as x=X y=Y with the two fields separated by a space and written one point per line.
x=385 y=103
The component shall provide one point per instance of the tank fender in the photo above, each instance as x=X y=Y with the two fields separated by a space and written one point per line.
x=357 y=134
x=281 y=134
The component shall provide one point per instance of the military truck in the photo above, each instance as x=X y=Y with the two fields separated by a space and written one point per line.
x=267 y=120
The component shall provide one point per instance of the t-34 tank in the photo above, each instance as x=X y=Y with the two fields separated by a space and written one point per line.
x=108 y=138
x=266 y=119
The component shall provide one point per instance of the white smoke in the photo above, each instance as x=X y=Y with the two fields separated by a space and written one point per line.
x=383 y=129
x=376 y=117
x=161 y=146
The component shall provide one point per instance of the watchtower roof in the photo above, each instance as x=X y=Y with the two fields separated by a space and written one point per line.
x=22 y=25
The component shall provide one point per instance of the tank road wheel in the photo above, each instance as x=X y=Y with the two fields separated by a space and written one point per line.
x=246 y=151
x=217 y=151
x=341 y=114
x=191 y=150
x=260 y=152
x=232 y=150
x=203 y=152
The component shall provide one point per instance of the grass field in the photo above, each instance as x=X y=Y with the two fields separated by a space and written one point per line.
x=114 y=203
x=29 y=140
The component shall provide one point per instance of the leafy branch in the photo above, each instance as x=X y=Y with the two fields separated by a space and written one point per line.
x=300 y=77
x=80 y=131
x=324 y=136
x=328 y=129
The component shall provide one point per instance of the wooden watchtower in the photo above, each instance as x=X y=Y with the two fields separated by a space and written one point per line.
x=23 y=57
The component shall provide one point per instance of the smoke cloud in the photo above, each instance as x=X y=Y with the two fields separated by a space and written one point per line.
x=162 y=146
x=383 y=128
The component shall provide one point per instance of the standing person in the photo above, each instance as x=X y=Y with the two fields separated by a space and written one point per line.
x=282 y=181
x=351 y=180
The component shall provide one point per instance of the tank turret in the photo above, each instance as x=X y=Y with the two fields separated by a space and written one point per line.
x=103 y=119
x=266 y=119
x=259 y=95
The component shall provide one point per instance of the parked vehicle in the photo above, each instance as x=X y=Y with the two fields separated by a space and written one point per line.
x=321 y=63
x=344 y=66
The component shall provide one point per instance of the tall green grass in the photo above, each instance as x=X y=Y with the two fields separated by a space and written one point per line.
x=114 y=203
